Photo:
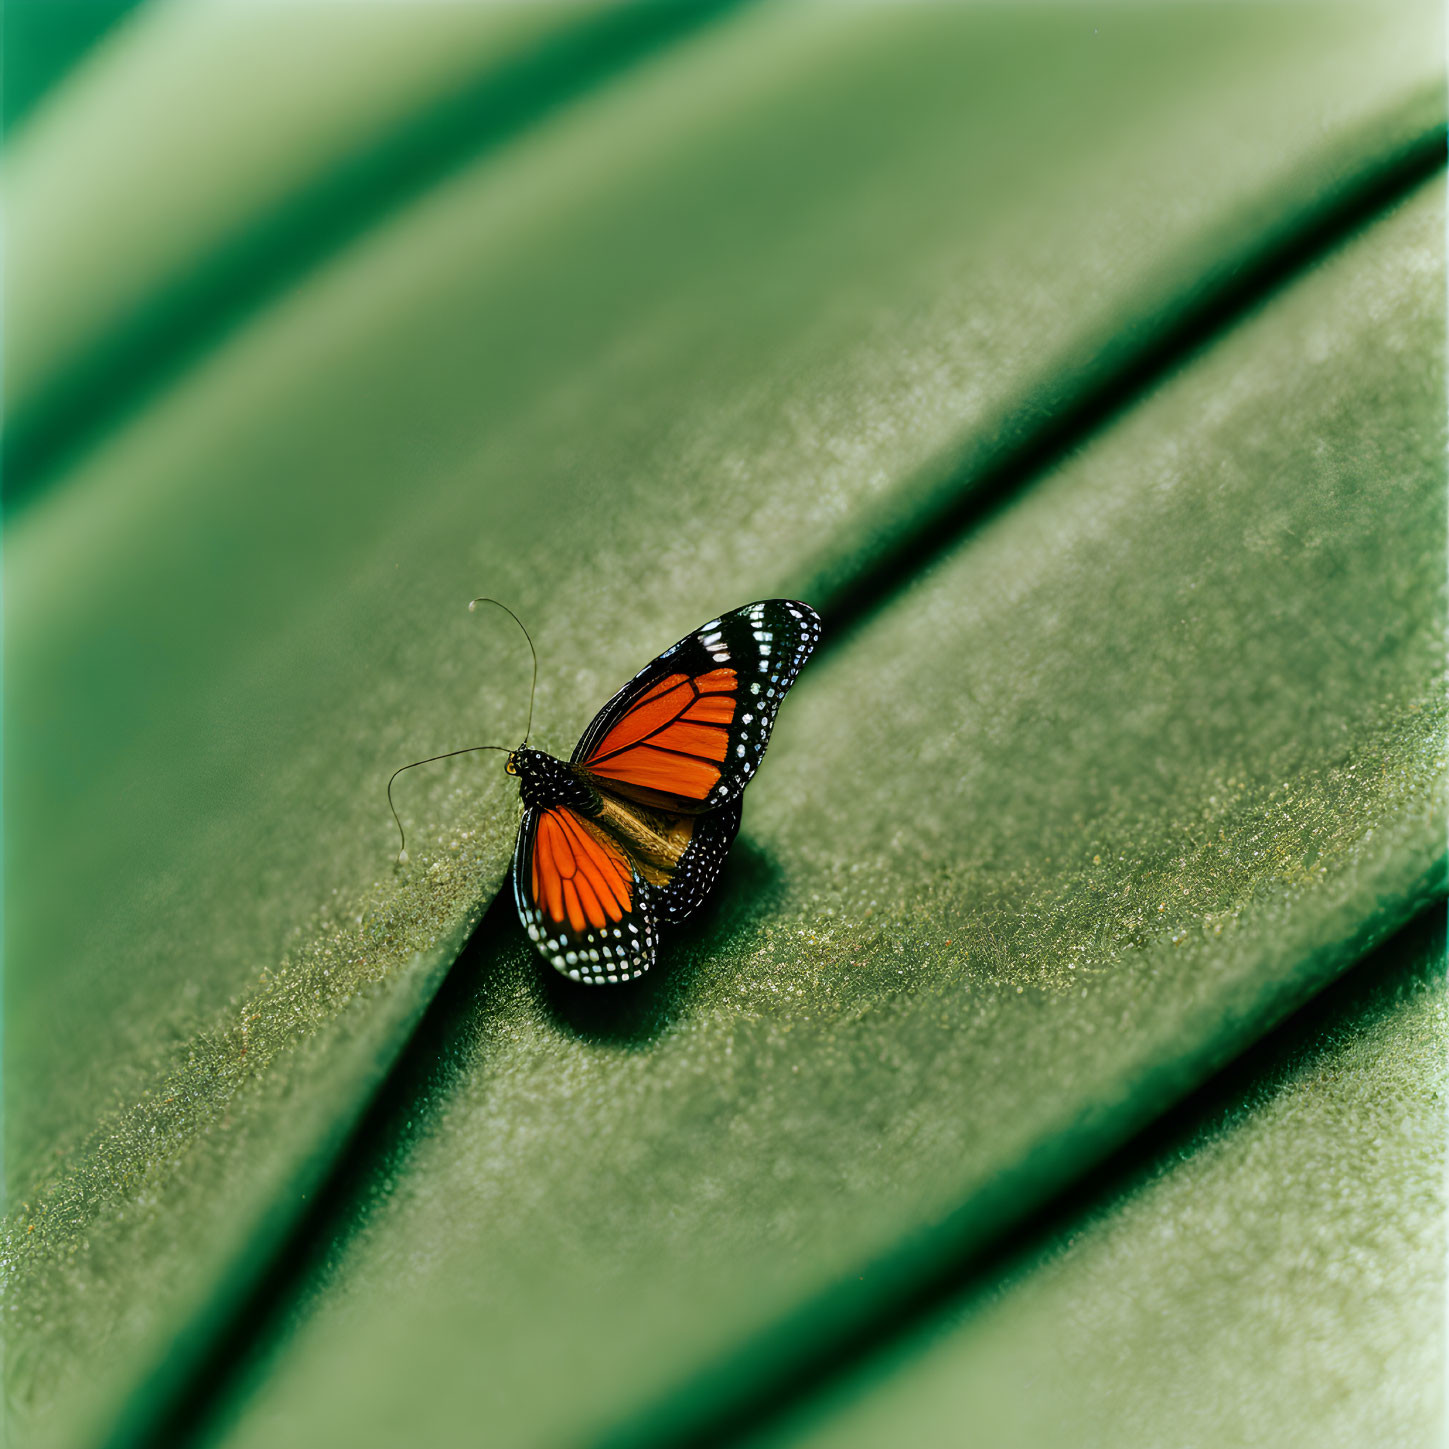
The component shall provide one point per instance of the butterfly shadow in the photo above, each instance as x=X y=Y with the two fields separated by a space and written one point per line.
x=635 y=1013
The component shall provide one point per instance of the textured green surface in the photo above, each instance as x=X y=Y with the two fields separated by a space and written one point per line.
x=158 y=201
x=720 y=328
x=1275 y=1275
x=1068 y=823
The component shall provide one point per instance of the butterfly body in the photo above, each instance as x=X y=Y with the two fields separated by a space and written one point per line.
x=544 y=782
x=632 y=831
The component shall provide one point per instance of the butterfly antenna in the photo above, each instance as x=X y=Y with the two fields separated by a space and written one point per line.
x=533 y=684
x=402 y=854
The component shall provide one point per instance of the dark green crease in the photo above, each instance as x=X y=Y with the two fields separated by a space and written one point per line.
x=158 y=341
x=41 y=41
x=1364 y=994
x=886 y=549
x=175 y=1405
x=172 y=1405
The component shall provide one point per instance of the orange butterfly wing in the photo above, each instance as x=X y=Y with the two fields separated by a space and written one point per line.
x=683 y=738
x=689 y=730
x=674 y=739
x=581 y=898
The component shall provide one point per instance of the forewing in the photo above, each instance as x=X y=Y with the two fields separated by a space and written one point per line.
x=581 y=898
x=689 y=730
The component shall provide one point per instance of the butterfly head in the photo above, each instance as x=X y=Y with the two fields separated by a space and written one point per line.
x=528 y=764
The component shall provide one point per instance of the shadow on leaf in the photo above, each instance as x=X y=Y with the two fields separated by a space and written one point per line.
x=636 y=1013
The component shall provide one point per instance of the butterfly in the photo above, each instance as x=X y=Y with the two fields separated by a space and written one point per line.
x=630 y=833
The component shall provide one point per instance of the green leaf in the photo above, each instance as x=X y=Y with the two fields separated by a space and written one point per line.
x=1273 y=1275
x=1134 y=771
x=750 y=318
x=138 y=242
x=42 y=42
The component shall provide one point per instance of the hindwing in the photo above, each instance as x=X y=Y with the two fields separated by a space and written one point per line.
x=582 y=898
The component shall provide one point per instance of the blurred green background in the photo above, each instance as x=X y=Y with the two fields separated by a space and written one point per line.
x=1083 y=364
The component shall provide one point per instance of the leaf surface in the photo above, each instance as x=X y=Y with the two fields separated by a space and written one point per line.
x=1273 y=1274
x=1137 y=769
x=734 y=324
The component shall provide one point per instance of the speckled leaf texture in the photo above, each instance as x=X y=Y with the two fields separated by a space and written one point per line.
x=1083 y=365
x=1271 y=1273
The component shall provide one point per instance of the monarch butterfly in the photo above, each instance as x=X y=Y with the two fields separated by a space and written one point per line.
x=631 y=831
